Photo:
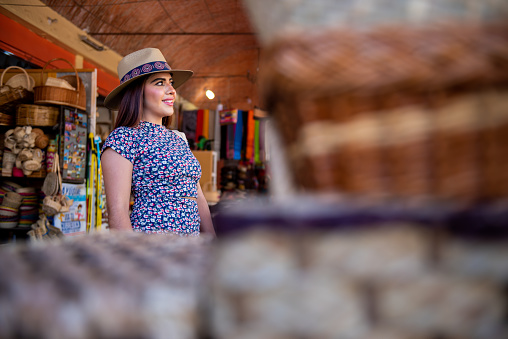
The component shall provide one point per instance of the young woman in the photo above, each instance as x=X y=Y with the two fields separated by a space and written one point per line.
x=141 y=156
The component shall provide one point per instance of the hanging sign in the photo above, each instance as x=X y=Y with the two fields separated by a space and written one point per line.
x=228 y=117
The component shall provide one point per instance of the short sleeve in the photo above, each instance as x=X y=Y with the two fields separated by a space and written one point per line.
x=181 y=135
x=123 y=141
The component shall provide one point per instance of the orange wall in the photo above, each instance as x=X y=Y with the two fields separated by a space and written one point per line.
x=26 y=44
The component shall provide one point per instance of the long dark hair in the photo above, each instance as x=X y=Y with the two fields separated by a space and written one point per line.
x=131 y=106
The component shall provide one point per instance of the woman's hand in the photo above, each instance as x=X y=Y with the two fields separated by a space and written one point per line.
x=117 y=173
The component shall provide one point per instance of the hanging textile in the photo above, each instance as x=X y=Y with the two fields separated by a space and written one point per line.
x=245 y=117
x=256 y=141
x=189 y=124
x=249 y=152
x=231 y=141
x=224 y=141
x=199 y=125
x=238 y=137
x=206 y=124
x=268 y=135
x=262 y=131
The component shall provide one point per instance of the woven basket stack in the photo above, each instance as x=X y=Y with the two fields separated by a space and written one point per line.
x=29 y=209
x=10 y=204
x=19 y=206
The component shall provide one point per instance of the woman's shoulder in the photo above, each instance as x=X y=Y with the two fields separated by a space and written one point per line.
x=123 y=135
x=123 y=132
x=180 y=134
x=122 y=139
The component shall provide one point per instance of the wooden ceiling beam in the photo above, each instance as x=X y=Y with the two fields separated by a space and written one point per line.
x=47 y=23
x=30 y=46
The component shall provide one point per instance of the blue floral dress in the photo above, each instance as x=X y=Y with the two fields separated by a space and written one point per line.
x=164 y=171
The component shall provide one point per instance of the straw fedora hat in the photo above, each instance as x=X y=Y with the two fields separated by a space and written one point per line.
x=138 y=64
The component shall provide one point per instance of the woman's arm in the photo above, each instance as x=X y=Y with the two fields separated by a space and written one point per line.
x=204 y=213
x=117 y=172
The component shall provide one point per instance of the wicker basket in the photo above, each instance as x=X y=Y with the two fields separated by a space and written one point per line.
x=42 y=173
x=59 y=95
x=36 y=115
x=6 y=119
x=51 y=205
x=11 y=97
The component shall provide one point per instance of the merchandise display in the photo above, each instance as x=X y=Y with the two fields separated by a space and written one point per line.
x=74 y=145
x=41 y=127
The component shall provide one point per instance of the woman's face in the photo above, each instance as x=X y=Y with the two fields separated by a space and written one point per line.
x=158 y=97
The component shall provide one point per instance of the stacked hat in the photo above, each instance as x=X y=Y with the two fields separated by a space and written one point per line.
x=29 y=208
x=7 y=186
x=9 y=209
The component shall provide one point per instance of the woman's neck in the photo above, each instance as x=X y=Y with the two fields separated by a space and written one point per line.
x=152 y=120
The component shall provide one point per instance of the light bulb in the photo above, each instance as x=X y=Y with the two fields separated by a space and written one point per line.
x=209 y=94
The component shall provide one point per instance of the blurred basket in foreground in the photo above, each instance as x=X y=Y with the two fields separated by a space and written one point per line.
x=394 y=112
x=36 y=115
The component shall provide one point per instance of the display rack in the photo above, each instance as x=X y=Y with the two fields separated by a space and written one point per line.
x=87 y=126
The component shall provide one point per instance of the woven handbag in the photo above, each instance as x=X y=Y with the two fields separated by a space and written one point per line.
x=66 y=203
x=52 y=183
x=51 y=205
x=12 y=199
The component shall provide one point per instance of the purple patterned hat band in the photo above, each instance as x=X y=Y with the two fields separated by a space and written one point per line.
x=147 y=68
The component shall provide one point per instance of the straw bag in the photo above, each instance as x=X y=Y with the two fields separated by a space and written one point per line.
x=10 y=97
x=12 y=199
x=62 y=95
x=65 y=203
x=42 y=229
x=51 y=205
x=25 y=154
x=51 y=185
x=55 y=201
x=35 y=162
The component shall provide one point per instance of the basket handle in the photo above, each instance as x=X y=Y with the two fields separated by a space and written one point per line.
x=67 y=61
x=57 y=158
x=56 y=169
x=5 y=70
